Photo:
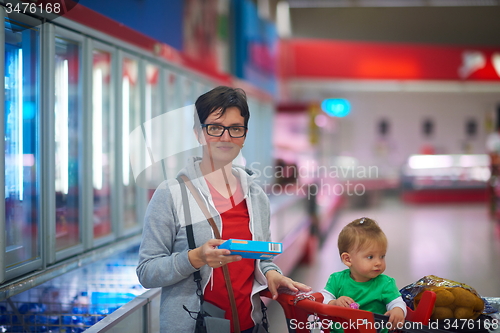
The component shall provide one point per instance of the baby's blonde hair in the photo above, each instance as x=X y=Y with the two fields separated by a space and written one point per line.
x=359 y=233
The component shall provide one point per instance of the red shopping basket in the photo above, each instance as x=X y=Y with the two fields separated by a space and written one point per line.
x=299 y=308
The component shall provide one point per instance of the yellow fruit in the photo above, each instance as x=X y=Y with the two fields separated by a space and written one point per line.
x=441 y=312
x=464 y=313
x=444 y=297
x=479 y=305
x=463 y=298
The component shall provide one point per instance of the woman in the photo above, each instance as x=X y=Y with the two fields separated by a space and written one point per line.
x=240 y=209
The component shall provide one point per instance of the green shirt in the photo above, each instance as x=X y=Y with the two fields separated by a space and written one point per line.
x=372 y=295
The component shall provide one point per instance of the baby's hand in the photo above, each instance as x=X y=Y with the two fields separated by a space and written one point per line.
x=396 y=318
x=342 y=301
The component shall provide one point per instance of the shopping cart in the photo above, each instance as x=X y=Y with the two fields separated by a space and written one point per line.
x=306 y=312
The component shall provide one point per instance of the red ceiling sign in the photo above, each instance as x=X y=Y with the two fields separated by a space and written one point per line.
x=305 y=58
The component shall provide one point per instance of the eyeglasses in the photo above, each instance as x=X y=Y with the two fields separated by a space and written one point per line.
x=218 y=130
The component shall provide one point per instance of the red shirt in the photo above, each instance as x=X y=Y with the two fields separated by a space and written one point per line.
x=236 y=225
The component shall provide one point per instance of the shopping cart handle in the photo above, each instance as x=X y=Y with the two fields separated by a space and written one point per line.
x=287 y=296
x=302 y=304
x=283 y=292
x=410 y=326
x=266 y=293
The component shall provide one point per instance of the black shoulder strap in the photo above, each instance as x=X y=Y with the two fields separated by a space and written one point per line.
x=187 y=214
x=189 y=230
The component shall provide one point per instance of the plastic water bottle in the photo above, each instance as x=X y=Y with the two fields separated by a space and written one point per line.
x=81 y=303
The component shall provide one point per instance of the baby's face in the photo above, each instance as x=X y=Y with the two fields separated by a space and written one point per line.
x=368 y=262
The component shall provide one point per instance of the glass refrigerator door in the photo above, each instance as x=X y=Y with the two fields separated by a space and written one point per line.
x=153 y=116
x=131 y=149
x=67 y=129
x=102 y=140
x=21 y=121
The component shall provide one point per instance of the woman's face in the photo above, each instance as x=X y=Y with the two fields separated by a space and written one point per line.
x=223 y=149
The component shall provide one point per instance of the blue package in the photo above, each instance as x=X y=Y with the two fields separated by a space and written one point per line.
x=252 y=249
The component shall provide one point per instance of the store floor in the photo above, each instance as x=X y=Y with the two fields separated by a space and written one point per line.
x=457 y=242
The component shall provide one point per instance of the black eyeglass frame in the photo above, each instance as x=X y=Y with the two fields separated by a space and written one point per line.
x=225 y=128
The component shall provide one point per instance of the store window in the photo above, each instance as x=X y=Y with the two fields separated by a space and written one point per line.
x=21 y=135
x=102 y=142
x=67 y=142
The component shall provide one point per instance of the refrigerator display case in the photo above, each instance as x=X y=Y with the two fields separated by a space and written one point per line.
x=445 y=178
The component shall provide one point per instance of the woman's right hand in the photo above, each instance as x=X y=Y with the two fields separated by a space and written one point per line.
x=209 y=254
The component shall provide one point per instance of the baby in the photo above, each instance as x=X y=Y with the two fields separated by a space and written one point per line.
x=362 y=247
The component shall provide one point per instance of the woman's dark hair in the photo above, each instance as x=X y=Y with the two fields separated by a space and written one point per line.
x=218 y=100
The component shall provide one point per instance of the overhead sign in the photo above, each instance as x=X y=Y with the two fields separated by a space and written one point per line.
x=306 y=58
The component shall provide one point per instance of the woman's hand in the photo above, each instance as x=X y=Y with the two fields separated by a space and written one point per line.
x=276 y=280
x=209 y=254
x=342 y=301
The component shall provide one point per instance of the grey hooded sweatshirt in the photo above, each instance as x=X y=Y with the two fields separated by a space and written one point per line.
x=163 y=254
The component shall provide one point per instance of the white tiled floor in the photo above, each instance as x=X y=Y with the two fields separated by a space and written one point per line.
x=458 y=242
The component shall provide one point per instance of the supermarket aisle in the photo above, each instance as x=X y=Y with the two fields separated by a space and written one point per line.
x=456 y=242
